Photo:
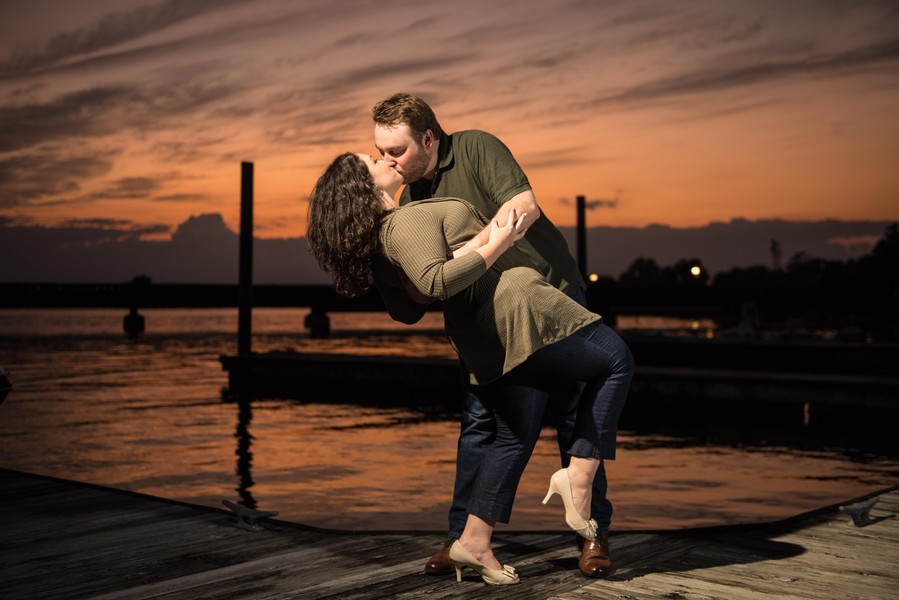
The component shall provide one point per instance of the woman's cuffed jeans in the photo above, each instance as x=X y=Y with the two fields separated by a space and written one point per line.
x=594 y=355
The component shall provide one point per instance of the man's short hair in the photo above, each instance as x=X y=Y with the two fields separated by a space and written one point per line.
x=406 y=109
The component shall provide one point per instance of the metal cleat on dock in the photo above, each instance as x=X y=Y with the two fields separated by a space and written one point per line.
x=860 y=511
x=248 y=518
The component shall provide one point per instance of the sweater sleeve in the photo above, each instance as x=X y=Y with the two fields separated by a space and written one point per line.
x=415 y=242
x=400 y=306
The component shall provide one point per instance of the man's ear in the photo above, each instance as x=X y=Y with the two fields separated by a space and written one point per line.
x=427 y=140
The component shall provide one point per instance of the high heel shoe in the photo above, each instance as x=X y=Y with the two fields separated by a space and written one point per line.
x=463 y=558
x=559 y=484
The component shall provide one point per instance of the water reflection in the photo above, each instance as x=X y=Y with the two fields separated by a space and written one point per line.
x=659 y=422
x=148 y=416
x=855 y=431
x=681 y=464
x=244 y=453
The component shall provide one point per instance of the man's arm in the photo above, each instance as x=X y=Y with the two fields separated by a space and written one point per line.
x=524 y=204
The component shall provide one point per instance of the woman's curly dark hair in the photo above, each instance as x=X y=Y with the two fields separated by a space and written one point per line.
x=344 y=218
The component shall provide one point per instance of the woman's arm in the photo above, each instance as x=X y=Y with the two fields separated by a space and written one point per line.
x=416 y=243
x=483 y=237
x=403 y=302
x=473 y=244
x=400 y=306
x=501 y=237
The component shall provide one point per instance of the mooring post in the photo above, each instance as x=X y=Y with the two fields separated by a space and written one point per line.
x=245 y=269
x=582 y=236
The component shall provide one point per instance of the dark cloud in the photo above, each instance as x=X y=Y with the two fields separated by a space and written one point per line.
x=78 y=114
x=26 y=241
x=327 y=113
x=120 y=225
x=184 y=151
x=180 y=197
x=594 y=204
x=34 y=176
x=568 y=156
x=142 y=188
x=311 y=118
x=393 y=70
x=101 y=111
x=57 y=172
x=128 y=188
x=111 y=30
x=721 y=245
x=637 y=15
x=291 y=20
x=93 y=231
x=723 y=78
x=169 y=51
x=204 y=249
x=683 y=27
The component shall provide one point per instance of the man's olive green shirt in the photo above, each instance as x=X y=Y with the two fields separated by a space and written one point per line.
x=495 y=318
x=478 y=168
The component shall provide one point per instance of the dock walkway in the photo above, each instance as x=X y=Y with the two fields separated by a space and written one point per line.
x=62 y=539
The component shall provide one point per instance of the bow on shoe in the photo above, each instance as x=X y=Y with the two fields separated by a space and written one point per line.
x=506 y=576
x=590 y=530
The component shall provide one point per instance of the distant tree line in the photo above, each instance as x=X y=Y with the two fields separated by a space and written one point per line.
x=861 y=292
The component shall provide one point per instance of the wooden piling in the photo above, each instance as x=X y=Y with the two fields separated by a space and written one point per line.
x=582 y=236
x=245 y=275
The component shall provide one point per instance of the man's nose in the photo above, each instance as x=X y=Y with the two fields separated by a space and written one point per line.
x=388 y=160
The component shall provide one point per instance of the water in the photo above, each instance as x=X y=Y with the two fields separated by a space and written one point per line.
x=147 y=415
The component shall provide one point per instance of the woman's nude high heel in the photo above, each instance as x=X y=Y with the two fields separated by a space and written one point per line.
x=463 y=558
x=559 y=484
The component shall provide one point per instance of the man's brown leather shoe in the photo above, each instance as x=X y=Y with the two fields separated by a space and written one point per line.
x=595 y=558
x=440 y=563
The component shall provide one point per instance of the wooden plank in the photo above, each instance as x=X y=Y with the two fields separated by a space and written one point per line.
x=65 y=540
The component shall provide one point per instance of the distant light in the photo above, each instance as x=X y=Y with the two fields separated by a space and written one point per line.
x=695 y=270
x=593 y=277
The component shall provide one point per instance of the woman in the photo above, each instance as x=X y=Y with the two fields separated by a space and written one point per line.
x=517 y=334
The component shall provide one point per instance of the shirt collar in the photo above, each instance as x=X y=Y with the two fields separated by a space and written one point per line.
x=444 y=160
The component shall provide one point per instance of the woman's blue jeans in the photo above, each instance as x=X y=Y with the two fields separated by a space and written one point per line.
x=595 y=356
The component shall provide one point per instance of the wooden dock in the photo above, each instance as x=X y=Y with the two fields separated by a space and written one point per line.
x=68 y=540
x=297 y=374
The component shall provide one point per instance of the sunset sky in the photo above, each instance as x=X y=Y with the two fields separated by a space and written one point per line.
x=137 y=113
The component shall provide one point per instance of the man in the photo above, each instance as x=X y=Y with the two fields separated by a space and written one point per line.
x=477 y=167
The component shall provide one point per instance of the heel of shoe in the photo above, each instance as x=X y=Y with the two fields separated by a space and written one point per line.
x=458 y=573
x=549 y=494
x=553 y=488
x=559 y=484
